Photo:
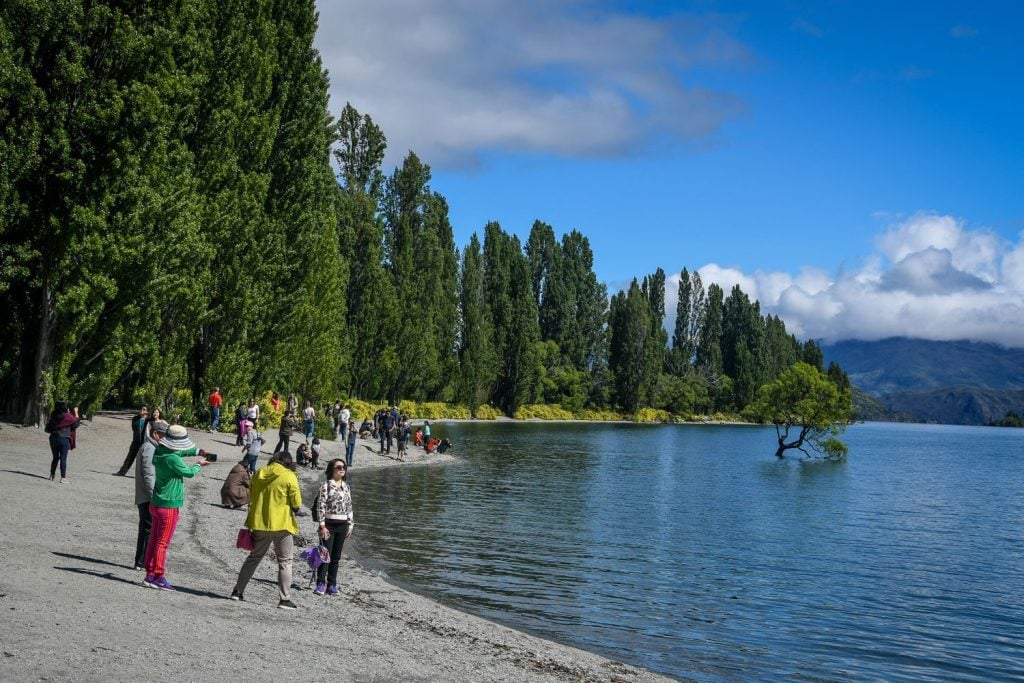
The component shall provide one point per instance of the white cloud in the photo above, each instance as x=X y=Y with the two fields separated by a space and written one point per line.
x=932 y=278
x=455 y=79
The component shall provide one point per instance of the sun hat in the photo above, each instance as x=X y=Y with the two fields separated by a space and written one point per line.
x=176 y=439
x=159 y=426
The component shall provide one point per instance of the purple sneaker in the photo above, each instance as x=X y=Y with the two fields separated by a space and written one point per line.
x=332 y=590
x=148 y=581
x=163 y=584
x=320 y=588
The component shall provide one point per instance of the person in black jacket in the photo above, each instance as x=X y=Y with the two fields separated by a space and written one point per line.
x=61 y=427
x=138 y=436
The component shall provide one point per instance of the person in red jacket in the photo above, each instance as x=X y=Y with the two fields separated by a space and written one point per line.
x=215 y=403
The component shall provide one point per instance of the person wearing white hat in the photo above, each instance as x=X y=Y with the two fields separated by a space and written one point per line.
x=167 y=498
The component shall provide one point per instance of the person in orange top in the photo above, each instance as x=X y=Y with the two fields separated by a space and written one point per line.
x=215 y=403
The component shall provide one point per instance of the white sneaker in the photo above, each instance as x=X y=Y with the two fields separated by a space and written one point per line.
x=63 y=480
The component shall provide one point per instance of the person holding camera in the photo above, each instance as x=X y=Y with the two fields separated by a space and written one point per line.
x=61 y=427
x=167 y=498
x=274 y=501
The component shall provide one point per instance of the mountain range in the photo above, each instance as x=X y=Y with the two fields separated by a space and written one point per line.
x=953 y=382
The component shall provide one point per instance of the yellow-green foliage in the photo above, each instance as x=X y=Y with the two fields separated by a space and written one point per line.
x=651 y=415
x=540 y=411
x=269 y=418
x=362 y=409
x=599 y=415
x=487 y=412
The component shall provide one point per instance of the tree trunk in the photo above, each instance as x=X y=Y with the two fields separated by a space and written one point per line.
x=35 y=408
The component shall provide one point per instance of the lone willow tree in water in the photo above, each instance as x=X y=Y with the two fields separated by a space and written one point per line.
x=805 y=400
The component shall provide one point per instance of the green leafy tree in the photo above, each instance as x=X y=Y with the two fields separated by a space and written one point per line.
x=807 y=410
x=514 y=314
x=477 y=359
x=691 y=308
x=629 y=322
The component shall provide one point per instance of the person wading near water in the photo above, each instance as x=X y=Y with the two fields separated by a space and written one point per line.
x=145 y=480
x=274 y=501
x=138 y=436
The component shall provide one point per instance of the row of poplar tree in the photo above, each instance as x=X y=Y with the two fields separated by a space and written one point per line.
x=170 y=218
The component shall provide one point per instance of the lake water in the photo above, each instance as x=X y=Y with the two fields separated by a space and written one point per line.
x=694 y=552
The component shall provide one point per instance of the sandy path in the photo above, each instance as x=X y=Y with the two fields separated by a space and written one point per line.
x=73 y=609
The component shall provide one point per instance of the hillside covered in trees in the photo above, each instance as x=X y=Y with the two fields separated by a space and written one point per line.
x=170 y=219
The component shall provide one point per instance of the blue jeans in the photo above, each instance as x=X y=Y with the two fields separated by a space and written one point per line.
x=59 y=448
x=349 y=452
x=214 y=418
x=308 y=425
x=250 y=462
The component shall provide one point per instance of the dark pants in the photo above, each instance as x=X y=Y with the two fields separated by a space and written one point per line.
x=385 y=437
x=129 y=459
x=334 y=544
x=59 y=447
x=282 y=443
x=350 y=451
x=145 y=525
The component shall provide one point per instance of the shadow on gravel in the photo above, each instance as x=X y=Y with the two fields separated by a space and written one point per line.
x=120 y=579
x=94 y=560
x=27 y=474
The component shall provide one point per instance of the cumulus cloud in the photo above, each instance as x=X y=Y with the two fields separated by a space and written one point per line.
x=453 y=80
x=933 y=277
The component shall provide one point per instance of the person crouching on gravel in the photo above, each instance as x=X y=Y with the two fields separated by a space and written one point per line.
x=167 y=499
x=274 y=501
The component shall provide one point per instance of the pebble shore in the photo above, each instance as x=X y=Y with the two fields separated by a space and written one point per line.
x=74 y=609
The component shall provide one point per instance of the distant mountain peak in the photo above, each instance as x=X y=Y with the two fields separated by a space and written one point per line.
x=964 y=382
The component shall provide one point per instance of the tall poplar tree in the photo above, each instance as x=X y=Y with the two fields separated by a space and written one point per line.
x=477 y=359
x=514 y=314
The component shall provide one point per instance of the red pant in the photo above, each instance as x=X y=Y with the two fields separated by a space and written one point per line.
x=165 y=520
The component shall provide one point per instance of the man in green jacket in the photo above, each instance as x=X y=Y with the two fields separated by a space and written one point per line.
x=274 y=501
x=167 y=498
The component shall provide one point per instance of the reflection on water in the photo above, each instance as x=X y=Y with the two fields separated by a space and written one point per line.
x=694 y=552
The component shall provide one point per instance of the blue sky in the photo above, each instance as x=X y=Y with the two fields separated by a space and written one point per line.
x=856 y=166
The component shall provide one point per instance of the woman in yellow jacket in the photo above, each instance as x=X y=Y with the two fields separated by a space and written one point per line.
x=274 y=500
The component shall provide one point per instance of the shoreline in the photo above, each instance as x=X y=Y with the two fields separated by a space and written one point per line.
x=76 y=610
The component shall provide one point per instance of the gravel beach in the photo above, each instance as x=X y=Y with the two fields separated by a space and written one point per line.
x=74 y=609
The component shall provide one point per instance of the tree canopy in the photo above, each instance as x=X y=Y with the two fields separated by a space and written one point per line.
x=171 y=220
x=803 y=399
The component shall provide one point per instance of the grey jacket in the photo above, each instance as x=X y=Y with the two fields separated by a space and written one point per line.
x=145 y=473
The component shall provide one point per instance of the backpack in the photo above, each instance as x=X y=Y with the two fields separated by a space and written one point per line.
x=254 y=446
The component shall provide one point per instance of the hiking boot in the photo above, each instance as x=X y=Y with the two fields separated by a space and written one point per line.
x=163 y=584
x=287 y=604
x=332 y=589
x=148 y=582
x=237 y=596
x=320 y=589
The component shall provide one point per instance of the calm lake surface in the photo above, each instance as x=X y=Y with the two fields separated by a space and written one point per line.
x=692 y=551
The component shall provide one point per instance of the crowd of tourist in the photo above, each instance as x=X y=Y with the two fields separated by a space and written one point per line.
x=271 y=493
